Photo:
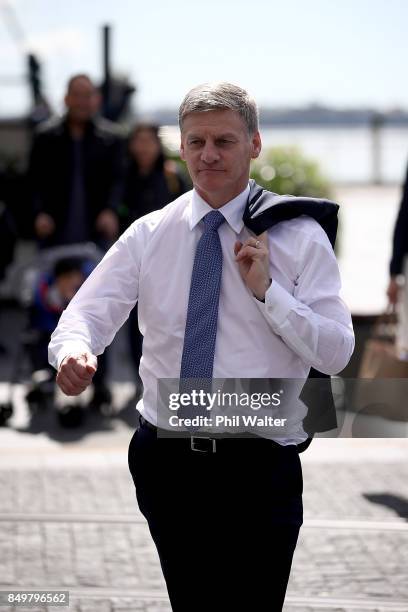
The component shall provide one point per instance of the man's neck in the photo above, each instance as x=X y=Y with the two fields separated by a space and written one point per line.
x=217 y=200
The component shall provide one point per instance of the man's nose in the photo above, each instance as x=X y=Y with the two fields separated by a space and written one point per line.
x=209 y=153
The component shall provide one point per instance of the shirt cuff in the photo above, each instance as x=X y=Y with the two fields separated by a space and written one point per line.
x=278 y=304
x=71 y=348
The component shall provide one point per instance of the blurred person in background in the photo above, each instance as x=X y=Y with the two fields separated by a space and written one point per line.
x=397 y=290
x=8 y=230
x=52 y=292
x=151 y=182
x=75 y=176
x=76 y=172
x=8 y=238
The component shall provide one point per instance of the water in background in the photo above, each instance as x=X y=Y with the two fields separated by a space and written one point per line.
x=345 y=154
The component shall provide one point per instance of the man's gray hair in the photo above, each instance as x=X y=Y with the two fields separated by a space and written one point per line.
x=220 y=96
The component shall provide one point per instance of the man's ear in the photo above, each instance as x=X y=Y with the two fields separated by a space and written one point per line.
x=182 y=151
x=256 y=145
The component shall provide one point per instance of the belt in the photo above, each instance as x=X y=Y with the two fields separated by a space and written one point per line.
x=145 y=423
x=199 y=444
x=205 y=444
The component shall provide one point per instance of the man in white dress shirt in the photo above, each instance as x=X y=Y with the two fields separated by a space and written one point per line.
x=225 y=514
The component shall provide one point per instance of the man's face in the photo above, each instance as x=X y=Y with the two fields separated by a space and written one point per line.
x=145 y=148
x=82 y=100
x=218 y=150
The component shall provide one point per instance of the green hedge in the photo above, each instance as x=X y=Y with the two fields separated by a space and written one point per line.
x=287 y=170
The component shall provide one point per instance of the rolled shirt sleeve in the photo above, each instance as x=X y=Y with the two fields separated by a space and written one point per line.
x=314 y=322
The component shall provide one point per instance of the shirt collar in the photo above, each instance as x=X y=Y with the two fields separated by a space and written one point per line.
x=232 y=211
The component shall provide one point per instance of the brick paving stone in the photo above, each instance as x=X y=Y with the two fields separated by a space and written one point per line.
x=328 y=562
x=127 y=605
x=59 y=554
x=94 y=605
x=89 y=563
x=310 y=609
x=29 y=554
x=74 y=606
x=290 y=608
x=8 y=553
x=90 y=555
x=75 y=491
x=372 y=564
x=31 y=609
x=337 y=491
x=118 y=553
x=330 y=491
x=8 y=501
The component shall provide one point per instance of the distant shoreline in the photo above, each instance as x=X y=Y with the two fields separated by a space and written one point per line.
x=313 y=116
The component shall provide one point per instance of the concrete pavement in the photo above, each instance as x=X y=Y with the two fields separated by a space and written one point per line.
x=68 y=520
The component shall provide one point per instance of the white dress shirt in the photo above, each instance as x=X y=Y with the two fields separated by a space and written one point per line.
x=302 y=323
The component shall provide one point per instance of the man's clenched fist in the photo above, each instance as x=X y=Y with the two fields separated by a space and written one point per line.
x=76 y=372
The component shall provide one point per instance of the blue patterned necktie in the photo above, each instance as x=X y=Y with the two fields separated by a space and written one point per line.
x=202 y=313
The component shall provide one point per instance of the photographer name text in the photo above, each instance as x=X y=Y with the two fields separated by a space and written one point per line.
x=226 y=421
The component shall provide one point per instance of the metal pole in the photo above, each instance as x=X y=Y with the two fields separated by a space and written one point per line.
x=376 y=123
x=106 y=69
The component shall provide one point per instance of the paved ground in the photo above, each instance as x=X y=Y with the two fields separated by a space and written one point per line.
x=68 y=520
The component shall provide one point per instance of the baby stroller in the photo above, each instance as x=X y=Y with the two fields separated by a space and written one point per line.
x=45 y=289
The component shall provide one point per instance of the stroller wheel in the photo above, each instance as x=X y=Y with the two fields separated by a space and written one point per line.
x=102 y=401
x=6 y=410
x=71 y=416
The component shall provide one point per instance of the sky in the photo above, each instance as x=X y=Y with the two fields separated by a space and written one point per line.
x=292 y=53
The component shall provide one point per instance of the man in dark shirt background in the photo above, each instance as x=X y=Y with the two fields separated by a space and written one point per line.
x=76 y=172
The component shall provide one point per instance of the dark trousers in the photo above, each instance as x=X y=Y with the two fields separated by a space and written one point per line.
x=225 y=524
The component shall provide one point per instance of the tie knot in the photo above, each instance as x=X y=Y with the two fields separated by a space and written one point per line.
x=213 y=220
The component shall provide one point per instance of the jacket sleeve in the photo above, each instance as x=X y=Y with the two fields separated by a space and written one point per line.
x=400 y=237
